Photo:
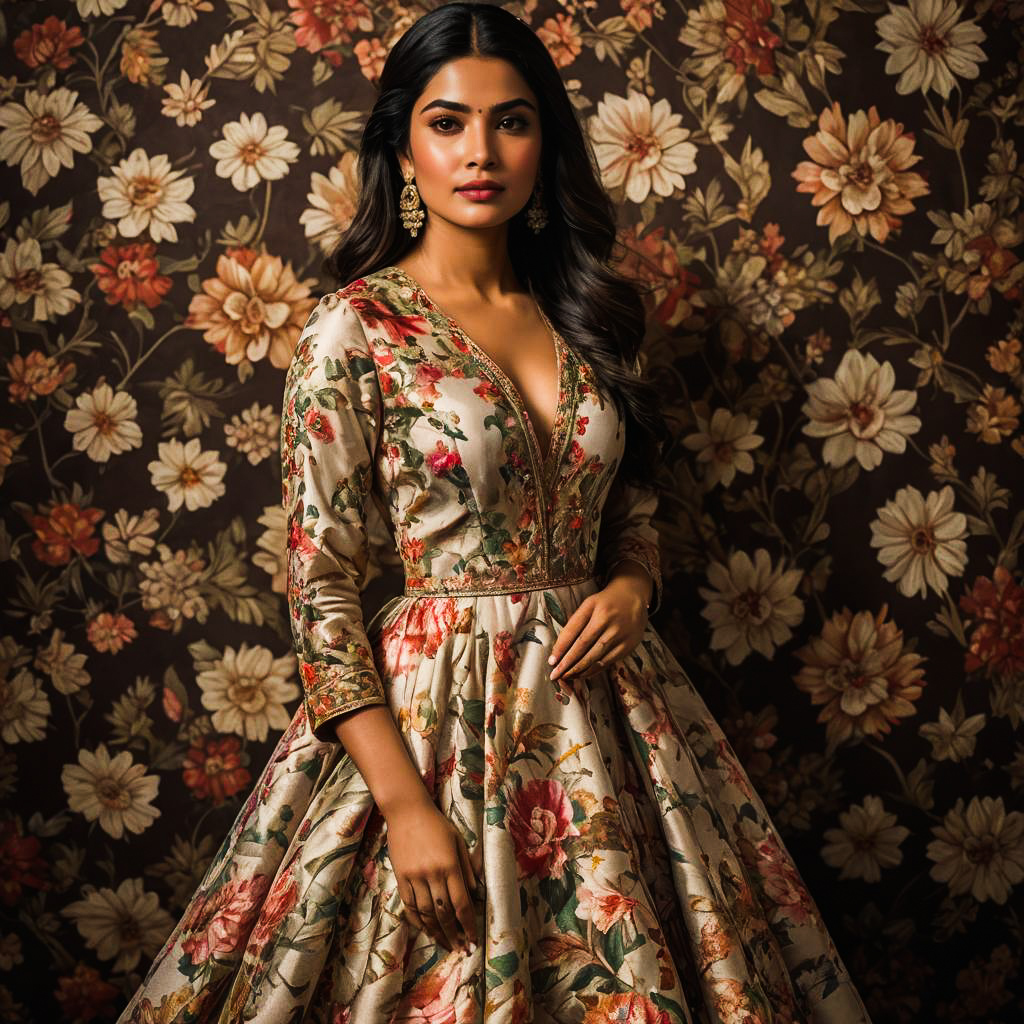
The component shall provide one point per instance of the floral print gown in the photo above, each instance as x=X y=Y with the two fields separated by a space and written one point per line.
x=630 y=872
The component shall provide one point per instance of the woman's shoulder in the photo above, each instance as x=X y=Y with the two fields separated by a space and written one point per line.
x=383 y=284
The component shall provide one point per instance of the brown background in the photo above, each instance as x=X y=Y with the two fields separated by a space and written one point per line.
x=751 y=302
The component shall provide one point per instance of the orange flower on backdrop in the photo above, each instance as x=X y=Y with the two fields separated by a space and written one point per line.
x=859 y=173
x=254 y=308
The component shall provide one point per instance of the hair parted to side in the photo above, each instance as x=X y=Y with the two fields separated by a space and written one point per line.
x=598 y=310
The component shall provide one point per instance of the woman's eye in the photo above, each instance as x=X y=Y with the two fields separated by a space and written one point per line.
x=446 y=125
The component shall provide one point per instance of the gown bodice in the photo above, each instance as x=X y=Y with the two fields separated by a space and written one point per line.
x=389 y=403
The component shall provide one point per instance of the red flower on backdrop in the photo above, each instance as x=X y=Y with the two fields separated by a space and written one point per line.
x=321 y=23
x=751 y=42
x=221 y=918
x=540 y=821
x=213 y=769
x=48 y=43
x=62 y=529
x=996 y=608
x=84 y=995
x=20 y=863
x=654 y=263
x=129 y=275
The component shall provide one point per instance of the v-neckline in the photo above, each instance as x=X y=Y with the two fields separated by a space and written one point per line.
x=505 y=382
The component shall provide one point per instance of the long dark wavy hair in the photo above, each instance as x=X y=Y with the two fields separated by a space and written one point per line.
x=597 y=310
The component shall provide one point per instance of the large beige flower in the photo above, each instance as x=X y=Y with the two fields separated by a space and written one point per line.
x=928 y=45
x=103 y=423
x=144 y=193
x=860 y=173
x=752 y=605
x=640 y=146
x=920 y=540
x=114 y=791
x=858 y=668
x=125 y=923
x=246 y=691
x=187 y=474
x=859 y=412
x=254 y=306
x=867 y=840
x=251 y=152
x=723 y=444
x=44 y=134
x=333 y=201
x=980 y=851
x=24 y=277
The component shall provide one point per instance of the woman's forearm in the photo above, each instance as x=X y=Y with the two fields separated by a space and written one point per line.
x=371 y=737
x=636 y=574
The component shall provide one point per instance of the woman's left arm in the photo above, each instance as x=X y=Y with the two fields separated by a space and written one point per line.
x=609 y=623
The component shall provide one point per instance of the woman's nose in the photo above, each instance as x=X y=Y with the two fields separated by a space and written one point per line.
x=479 y=144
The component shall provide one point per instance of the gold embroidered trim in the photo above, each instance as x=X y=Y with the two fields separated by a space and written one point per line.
x=496 y=588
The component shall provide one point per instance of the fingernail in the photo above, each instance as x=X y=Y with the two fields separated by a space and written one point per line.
x=551 y=659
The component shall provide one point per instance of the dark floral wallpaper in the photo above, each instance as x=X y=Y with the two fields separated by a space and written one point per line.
x=823 y=200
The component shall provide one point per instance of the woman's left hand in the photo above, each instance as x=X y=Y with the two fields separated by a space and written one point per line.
x=605 y=626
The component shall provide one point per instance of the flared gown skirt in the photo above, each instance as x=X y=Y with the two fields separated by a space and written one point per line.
x=629 y=872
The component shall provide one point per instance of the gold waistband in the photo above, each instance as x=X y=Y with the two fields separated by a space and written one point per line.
x=446 y=585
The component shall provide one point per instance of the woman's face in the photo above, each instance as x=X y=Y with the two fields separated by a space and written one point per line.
x=476 y=119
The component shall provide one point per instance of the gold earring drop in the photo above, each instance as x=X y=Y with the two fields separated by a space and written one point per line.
x=409 y=205
x=536 y=214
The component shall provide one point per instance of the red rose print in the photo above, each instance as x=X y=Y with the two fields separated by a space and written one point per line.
x=540 y=820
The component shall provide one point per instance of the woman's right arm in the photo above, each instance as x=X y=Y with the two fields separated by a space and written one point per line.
x=428 y=852
x=329 y=431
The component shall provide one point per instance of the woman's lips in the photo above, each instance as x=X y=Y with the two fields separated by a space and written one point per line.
x=479 y=194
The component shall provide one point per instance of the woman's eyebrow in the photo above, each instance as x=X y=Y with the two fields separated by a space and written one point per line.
x=464 y=108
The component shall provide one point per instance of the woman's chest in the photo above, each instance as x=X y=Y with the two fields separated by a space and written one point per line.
x=455 y=422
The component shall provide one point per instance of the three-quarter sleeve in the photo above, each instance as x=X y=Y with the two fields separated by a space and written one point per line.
x=330 y=425
x=628 y=532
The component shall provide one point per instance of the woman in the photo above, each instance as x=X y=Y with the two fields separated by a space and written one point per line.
x=501 y=799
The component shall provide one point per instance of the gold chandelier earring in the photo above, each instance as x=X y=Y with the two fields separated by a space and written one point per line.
x=536 y=214
x=409 y=205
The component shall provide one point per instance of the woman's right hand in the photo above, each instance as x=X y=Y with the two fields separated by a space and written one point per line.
x=435 y=875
